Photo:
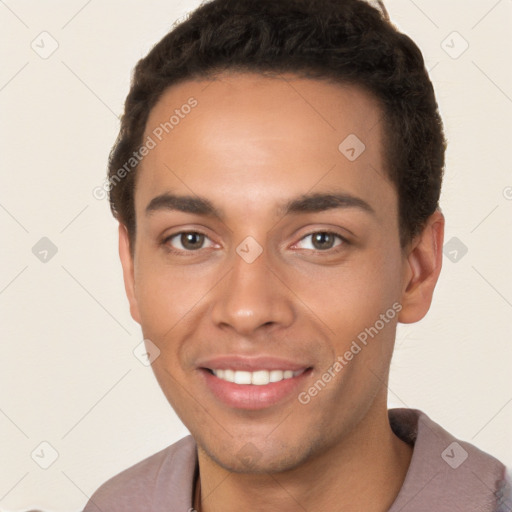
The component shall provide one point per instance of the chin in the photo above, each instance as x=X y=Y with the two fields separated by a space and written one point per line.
x=252 y=459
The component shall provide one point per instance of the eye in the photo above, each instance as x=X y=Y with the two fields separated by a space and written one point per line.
x=186 y=241
x=323 y=240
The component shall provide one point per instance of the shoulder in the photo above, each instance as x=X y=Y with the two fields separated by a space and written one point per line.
x=445 y=473
x=165 y=477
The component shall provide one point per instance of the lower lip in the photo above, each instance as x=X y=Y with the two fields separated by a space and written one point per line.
x=250 y=396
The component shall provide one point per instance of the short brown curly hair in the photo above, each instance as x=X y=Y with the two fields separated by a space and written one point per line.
x=345 y=41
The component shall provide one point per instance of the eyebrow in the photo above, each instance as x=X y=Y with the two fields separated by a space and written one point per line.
x=306 y=203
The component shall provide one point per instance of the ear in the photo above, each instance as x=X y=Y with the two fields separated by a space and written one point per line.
x=422 y=268
x=128 y=271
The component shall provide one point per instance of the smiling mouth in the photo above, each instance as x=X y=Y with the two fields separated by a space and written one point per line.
x=250 y=386
x=256 y=378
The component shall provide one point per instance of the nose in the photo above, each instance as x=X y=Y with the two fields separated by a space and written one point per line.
x=253 y=297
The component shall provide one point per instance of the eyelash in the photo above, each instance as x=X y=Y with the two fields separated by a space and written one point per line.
x=179 y=252
x=331 y=251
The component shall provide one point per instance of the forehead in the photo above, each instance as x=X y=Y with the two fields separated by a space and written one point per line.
x=249 y=140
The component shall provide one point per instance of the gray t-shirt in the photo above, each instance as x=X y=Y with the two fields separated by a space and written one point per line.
x=445 y=474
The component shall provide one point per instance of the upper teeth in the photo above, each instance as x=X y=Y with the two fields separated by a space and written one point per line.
x=259 y=377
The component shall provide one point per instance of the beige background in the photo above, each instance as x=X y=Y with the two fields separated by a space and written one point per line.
x=68 y=374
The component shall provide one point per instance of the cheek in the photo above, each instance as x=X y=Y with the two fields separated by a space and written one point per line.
x=375 y=308
x=168 y=296
x=363 y=316
x=162 y=296
x=379 y=275
x=354 y=293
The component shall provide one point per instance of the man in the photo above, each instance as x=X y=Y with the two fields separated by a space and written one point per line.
x=276 y=179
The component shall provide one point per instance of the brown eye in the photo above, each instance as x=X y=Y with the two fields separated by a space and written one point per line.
x=322 y=241
x=186 y=241
x=191 y=241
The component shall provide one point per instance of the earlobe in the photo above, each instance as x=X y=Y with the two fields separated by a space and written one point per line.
x=422 y=269
x=128 y=271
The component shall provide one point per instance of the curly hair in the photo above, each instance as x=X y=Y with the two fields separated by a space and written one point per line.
x=344 y=41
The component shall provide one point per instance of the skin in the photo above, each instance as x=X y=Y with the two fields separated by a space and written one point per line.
x=252 y=143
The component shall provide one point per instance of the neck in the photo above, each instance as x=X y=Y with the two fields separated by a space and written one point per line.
x=364 y=471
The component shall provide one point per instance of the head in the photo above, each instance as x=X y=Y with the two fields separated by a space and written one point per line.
x=282 y=202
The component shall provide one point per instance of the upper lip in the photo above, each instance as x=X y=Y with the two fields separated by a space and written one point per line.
x=250 y=364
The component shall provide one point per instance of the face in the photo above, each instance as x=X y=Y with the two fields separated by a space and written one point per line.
x=263 y=251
